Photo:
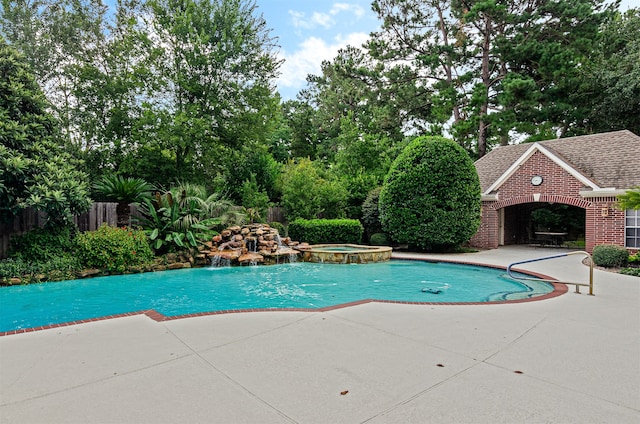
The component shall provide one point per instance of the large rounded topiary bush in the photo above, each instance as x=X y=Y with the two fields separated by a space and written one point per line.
x=431 y=196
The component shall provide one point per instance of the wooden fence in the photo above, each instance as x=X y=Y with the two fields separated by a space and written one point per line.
x=89 y=221
x=29 y=218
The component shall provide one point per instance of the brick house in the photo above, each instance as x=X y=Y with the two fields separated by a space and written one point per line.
x=587 y=173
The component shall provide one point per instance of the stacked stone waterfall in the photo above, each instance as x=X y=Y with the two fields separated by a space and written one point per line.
x=252 y=244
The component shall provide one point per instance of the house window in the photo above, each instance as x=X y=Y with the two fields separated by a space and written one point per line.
x=632 y=228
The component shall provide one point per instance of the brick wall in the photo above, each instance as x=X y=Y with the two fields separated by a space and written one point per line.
x=487 y=235
x=605 y=223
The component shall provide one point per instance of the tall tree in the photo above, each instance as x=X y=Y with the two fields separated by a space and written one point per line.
x=609 y=81
x=300 y=117
x=488 y=67
x=216 y=76
x=544 y=49
x=351 y=86
x=34 y=169
x=54 y=35
x=111 y=85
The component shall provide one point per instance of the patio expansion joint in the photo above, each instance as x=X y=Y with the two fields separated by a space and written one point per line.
x=515 y=340
x=566 y=388
x=95 y=381
x=242 y=339
x=391 y=333
x=422 y=392
x=488 y=362
x=475 y=363
x=228 y=377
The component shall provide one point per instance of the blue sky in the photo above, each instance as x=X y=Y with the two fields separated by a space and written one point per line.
x=312 y=31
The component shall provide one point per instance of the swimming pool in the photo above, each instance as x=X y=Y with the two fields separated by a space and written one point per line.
x=297 y=286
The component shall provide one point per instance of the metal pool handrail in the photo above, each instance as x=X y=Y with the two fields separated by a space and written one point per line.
x=590 y=285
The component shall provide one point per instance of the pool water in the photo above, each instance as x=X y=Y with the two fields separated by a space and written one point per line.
x=295 y=285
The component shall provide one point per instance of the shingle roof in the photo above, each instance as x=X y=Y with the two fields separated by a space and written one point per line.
x=608 y=159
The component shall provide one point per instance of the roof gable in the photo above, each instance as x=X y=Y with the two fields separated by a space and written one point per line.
x=537 y=147
x=599 y=161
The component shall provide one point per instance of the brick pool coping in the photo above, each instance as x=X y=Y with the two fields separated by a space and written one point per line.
x=558 y=290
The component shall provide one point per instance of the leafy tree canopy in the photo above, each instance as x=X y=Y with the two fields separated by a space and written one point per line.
x=34 y=170
x=485 y=69
x=609 y=92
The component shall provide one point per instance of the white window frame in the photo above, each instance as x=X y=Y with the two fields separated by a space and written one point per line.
x=632 y=228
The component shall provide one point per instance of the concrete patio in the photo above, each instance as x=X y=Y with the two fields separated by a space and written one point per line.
x=570 y=359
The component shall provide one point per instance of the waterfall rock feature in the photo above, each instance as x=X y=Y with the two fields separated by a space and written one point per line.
x=252 y=244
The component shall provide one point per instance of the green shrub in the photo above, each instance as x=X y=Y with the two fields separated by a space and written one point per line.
x=282 y=230
x=255 y=200
x=317 y=231
x=575 y=244
x=610 y=256
x=379 y=239
x=431 y=196
x=309 y=192
x=113 y=249
x=63 y=267
x=358 y=187
x=635 y=259
x=40 y=245
x=631 y=271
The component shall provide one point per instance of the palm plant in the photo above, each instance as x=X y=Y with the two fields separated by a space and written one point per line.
x=630 y=199
x=123 y=191
x=197 y=205
x=186 y=215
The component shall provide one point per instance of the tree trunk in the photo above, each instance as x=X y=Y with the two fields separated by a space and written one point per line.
x=447 y=66
x=486 y=82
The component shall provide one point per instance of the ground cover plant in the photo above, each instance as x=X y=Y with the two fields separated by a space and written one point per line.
x=41 y=255
x=633 y=266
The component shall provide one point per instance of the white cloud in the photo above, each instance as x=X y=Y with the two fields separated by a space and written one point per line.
x=307 y=59
x=298 y=20
x=322 y=19
x=357 y=10
x=325 y=20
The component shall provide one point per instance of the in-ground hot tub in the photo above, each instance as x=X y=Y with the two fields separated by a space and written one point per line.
x=346 y=253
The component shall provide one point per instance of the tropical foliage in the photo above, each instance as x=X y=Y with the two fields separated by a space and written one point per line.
x=181 y=94
x=185 y=216
x=124 y=191
x=630 y=200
